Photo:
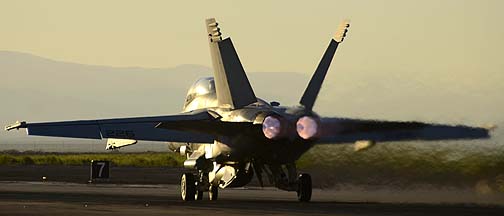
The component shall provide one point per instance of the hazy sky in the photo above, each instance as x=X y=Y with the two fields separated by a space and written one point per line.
x=450 y=36
x=446 y=45
x=440 y=45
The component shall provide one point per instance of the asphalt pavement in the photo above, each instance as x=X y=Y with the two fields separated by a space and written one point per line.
x=58 y=198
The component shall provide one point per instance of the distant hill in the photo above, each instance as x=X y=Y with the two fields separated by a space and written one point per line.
x=39 y=89
x=75 y=89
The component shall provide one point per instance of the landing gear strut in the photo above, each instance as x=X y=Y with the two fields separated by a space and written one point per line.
x=199 y=195
x=213 y=192
x=286 y=178
x=304 y=190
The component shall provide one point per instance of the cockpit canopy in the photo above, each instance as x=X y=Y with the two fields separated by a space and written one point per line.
x=202 y=94
x=202 y=86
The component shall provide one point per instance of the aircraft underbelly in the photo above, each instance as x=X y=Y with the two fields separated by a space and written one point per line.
x=231 y=175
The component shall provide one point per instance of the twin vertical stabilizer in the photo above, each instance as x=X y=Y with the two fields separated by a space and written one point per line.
x=231 y=83
x=311 y=92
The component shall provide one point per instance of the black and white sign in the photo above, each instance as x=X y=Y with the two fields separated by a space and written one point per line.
x=100 y=170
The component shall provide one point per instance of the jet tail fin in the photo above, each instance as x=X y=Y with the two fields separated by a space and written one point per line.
x=313 y=88
x=231 y=82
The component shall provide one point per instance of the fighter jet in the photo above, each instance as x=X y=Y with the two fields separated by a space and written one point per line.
x=228 y=134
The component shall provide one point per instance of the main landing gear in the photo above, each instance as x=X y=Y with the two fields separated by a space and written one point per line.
x=213 y=192
x=286 y=178
x=187 y=187
x=304 y=190
x=193 y=189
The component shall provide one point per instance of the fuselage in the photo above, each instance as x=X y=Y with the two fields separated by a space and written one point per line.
x=242 y=144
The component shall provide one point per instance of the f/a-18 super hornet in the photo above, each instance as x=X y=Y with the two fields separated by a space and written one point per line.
x=228 y=134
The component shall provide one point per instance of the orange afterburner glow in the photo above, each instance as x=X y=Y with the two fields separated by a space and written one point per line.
x=307 y=127
x=271 y=127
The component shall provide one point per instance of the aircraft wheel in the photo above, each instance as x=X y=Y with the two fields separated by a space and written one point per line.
x=213 y=192
x=187 y=187
x=304 y=191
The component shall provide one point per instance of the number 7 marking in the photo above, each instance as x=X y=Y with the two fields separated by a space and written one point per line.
x=102 y=165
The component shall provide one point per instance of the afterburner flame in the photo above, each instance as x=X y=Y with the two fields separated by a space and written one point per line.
x=306 y=127
x=271 y=127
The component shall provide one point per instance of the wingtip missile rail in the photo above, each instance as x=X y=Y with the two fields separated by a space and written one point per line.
x=16 y=125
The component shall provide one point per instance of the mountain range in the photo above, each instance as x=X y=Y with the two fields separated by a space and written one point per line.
x=35 y=89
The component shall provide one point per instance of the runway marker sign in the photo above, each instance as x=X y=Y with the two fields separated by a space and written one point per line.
x=100 y=170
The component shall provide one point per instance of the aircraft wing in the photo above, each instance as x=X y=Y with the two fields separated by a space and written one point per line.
x=344 y=130
x=137 y=128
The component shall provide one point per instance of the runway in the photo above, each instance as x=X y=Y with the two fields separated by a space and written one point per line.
x=56 y=198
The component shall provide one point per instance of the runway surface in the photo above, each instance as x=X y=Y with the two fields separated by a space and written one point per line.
x=56 y=198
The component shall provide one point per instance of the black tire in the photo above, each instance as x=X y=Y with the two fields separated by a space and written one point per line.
x=213 y=192
x=187 y=187
x=304 y=191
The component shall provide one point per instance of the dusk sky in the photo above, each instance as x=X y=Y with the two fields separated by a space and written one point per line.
x=448 y=45
x=429 y=60
x=449 y=36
